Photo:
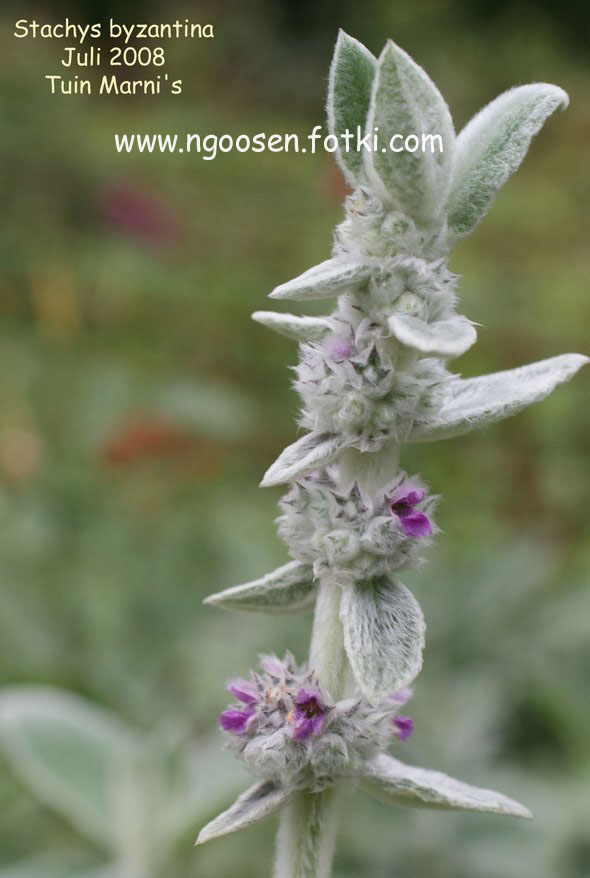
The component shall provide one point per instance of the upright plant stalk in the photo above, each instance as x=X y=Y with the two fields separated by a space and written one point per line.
x=372 y=376
x=326 y=652
x=309 y=823
x=307 y=834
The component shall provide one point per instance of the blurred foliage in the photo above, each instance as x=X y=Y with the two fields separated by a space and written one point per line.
x=133 y=795
x=140 y=406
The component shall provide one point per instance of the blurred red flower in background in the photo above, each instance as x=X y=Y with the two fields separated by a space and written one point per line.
x=139 y=213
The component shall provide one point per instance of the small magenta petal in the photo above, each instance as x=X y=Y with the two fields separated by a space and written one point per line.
x=272 y=665
x=415 y=524
x=309 y=696
x=408 y=494
x=308 y=715
x=302 y=729
x=243 y=690
x=404 y=727
x=317 y=723
x=234 y=720
x=306 y=726
x=413 y=498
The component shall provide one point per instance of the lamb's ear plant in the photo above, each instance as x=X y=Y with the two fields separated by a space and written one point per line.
x=372 y=375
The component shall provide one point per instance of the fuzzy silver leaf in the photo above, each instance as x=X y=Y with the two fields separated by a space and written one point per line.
x=349 y=95
x=383 y=630
x=492 y=146
x=395 y=783
x=286 y=589
x=442 y=338
x=258 y=802
x=405 y=101
x=309 y=453
x=293 y=326
x=330 y=278
x=474 y=402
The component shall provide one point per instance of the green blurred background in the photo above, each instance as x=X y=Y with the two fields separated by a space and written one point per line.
x=140 y=405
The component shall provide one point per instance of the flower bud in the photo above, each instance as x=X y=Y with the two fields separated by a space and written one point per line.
x=340 y=545
x=355 y=412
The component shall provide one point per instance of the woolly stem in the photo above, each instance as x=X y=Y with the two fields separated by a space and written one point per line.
x=327 y=657
x=307 y=835
x=309 y=823
x=369 y=471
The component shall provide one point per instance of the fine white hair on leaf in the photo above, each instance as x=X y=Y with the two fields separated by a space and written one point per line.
x=395 y=783
x=258 y=802
x=286 y=589
x=492 y=146
x=405 y=102
x=349 y=95
x=309 y=453
x=294 y=326
x=473 y=402
x=330 y=278
x=384 y=636
x=443 y=338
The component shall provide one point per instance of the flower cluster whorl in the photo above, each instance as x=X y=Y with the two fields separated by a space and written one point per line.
x=354 y=534
x=350 y=386
x=358 y=382
x=287 y=730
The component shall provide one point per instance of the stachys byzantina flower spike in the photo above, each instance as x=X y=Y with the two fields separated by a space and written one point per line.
x=373 y=374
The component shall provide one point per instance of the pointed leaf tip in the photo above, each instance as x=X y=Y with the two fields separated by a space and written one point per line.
x=287 y=589
x=473 y=402
x=395 y=783
x=332 y=277
x=299 y=328
x=492 y=146
x=309 y=453
x=349 y=94
x=406 y=103
x=258 y=802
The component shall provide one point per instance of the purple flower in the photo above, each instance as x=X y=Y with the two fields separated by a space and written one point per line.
x=413 y=522
x=308 y=715
x=243 y=690
x=340 y=349
x=235 y=720
x=404 y=726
